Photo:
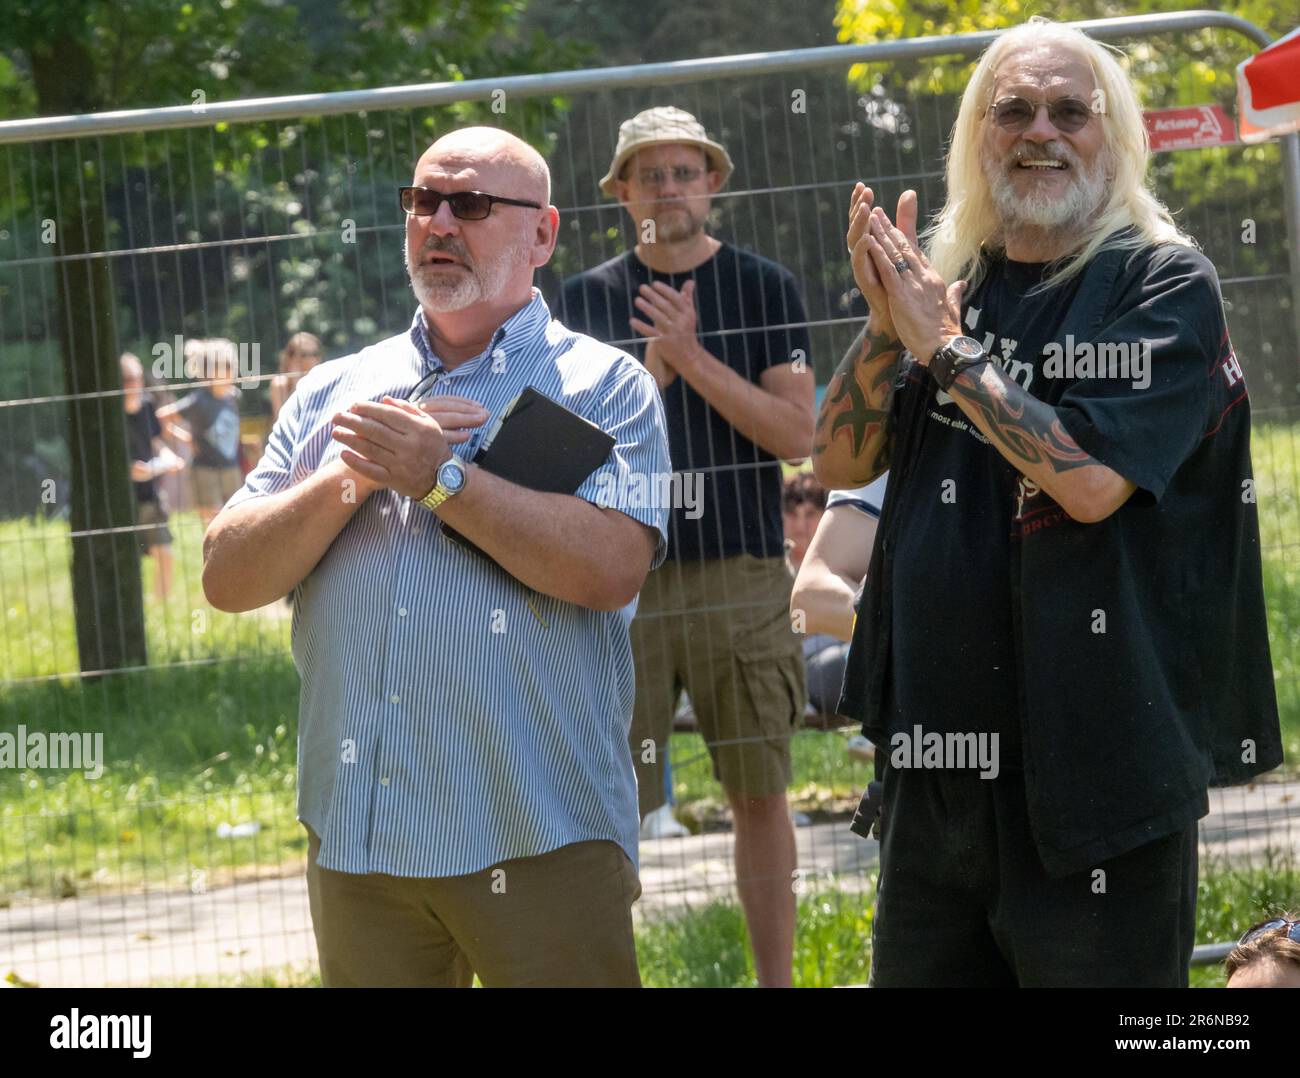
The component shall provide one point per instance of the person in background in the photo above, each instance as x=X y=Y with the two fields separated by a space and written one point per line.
x=299 y=355
x=832 y=570
x=1267 y=955
x=212 y=412
x=724 y=333
x=826 y=590
x=150 y=460
x=803 y=500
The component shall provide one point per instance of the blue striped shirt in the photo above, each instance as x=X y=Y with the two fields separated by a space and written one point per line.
x=443 y=725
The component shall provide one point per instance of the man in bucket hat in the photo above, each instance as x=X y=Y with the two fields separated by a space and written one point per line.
x=723 y=331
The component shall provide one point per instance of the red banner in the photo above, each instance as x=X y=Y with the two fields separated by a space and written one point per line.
x=1189 y=128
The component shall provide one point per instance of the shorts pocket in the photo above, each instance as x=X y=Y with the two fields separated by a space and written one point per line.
x=773 y=678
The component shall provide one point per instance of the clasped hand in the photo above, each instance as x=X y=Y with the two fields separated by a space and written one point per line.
x=908 y=299
x=396 y=444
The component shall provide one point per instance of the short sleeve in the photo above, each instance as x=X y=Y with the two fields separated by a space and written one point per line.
x=637 y=478
x=1142 y=410
x=786 y=338
x=274 y=472
x=868 y=499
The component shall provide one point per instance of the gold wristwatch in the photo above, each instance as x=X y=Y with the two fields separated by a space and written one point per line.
x=451 y=481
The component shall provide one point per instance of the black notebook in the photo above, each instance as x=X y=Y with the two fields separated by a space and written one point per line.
x=540 y=444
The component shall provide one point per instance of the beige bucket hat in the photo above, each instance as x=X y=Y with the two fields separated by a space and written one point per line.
x=659 y=125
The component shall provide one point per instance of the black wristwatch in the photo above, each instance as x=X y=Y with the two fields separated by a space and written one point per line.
x=959 y=354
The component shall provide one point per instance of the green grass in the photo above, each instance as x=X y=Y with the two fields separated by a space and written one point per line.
x=208 y=734
x=38 y=634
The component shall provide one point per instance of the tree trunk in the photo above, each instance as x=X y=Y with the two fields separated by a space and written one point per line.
x=106 y=592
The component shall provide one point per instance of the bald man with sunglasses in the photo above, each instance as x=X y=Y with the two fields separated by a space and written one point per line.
x=463 y=766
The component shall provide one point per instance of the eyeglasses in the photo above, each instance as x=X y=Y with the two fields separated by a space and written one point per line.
x=1015 y=114
x=466 y=205
x=1292 y=927
x=681 y=174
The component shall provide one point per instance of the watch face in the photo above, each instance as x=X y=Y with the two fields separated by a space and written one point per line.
x=451 y=476
x=966 y=347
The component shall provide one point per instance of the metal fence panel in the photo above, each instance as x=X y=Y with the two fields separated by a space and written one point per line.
x=183 y=861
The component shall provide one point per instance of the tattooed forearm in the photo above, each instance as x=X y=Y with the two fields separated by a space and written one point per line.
x=1024 y=429
x=852 y=439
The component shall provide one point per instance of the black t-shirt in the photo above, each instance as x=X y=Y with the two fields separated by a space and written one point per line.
x=1139 y=643
x=751 y=317
x=953 y=550
x=142 y=427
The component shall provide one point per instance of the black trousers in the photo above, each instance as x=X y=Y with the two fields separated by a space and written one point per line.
x=964 y=901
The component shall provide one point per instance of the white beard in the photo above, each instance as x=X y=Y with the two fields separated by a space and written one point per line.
x=454 y=290
x=1086 y=192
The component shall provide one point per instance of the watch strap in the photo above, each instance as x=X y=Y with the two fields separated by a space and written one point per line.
x=435 y=497
x=946 y=365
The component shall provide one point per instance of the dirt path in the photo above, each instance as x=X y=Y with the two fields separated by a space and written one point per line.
x=166 y=937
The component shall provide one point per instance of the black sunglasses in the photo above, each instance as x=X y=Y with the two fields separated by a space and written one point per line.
x=1292 y=927
x=467 y=205
x=1014 y=114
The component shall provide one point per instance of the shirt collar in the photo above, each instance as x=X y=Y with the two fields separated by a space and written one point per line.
x=525 y=324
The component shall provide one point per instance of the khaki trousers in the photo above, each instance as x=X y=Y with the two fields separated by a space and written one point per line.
x=561 y=919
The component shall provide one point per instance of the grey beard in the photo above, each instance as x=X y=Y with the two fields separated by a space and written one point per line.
x=475 y=285
x=685 y=230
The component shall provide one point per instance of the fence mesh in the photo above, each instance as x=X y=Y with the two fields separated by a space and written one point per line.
x=183 y=862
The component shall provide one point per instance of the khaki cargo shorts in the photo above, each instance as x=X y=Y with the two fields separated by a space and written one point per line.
x=720 y=629
x=213 y=487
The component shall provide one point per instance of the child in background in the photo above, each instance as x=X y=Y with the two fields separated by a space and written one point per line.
x=212 y=412
x=150 y=459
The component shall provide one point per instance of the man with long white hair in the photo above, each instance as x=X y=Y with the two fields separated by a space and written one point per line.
x=1063 y=643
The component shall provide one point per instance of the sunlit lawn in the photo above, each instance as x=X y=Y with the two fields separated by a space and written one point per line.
x=207 y=736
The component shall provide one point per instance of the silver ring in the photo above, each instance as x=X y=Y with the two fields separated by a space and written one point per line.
x=902 y=266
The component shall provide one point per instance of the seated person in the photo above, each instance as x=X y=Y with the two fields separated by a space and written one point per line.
x=803 y=500
x=829 y=579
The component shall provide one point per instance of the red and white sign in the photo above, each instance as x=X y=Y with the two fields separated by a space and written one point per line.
x=1268 y=91
x=1189 y=128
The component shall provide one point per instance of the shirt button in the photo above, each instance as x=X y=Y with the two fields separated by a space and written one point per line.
x=383 y=781
x=394 y=699
x=401 y=611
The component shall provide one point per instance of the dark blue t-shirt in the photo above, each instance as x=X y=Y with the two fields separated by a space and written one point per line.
x=751 y=317
x=214 y=422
